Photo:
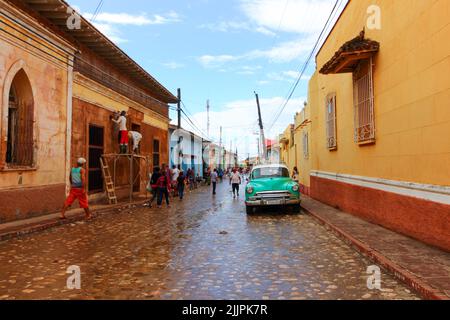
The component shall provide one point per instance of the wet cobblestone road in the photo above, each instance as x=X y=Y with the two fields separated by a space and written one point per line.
x=199 y=249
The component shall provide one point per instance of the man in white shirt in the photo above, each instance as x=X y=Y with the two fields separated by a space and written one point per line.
x=214 y=178
x=235 y=181
x=122 y=122
x=136 y=137
x=175 y=174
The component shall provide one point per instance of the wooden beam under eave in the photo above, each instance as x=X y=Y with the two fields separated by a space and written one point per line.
x=46 y=7
x=350 y=60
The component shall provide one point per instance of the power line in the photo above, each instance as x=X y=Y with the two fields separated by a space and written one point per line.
x=294 y=87
x=191 y=125
x=305 y=66
x=278 y=28
x=192 y=122
x=97 y=11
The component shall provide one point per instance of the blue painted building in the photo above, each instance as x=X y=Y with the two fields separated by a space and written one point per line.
x=185 y=149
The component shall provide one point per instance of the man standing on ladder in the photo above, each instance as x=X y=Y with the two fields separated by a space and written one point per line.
x=122 y=122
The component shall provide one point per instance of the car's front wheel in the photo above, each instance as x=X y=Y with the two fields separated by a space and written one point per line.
x=249 y=209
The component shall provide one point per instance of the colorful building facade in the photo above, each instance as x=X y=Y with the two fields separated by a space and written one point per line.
x=377 y=121
x=60 y=84
x=186 y=150
x=35 y=87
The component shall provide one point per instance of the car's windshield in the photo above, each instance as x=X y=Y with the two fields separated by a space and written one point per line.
x=270 y=172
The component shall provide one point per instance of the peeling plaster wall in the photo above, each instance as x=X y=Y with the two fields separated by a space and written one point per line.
x=49 y=83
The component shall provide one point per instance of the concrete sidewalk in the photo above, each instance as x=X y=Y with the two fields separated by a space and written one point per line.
x=424 y=268
x=22 y=227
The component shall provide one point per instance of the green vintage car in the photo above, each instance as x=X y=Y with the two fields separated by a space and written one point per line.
x=271 y=185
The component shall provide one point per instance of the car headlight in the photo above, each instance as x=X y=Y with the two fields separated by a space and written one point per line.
x=250 y=190
x=295 y=188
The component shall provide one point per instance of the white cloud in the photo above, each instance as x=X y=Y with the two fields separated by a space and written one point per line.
x=269 y=17
x=136 y=20
x=238 y=119
x=299 y=16
x=289 y=76
x=108 y=23
x=235 y=26
x=284 y=52
x=303 y=17
x=210 y=61
x=110 y=31
x=281 y=53
x=173 y=65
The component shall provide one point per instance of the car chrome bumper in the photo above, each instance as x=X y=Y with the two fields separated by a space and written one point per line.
x=281 y=202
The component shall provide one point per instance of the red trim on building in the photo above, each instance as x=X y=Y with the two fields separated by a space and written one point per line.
x=305 y=190
x=24 y=203
x=424 y=220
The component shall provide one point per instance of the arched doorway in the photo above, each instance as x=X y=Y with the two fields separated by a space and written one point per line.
x=19 y=151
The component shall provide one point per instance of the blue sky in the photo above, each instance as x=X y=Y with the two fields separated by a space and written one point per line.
x=222 y=51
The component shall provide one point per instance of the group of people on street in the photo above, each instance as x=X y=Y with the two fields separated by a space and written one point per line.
x=162 y=182
x=165 y=181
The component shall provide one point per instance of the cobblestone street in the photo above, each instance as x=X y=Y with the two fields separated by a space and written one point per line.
x=198 y=249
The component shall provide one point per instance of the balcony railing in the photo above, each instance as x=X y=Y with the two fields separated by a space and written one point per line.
x=117 y=85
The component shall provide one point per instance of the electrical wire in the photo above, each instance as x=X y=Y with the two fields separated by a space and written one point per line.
x=278 y=28
x=199 y=130
x=294 y=87
x=97 y=11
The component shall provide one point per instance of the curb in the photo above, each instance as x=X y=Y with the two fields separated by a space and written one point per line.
x=52 y=223
x=412 y=281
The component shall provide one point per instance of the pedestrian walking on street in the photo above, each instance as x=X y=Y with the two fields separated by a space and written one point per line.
x=175 y=174
x=78 y=189
x=190 y=176
x=168 y=173
x=214 y=178
x=181 y=182
x=235 y=181
x=163 y=190
x=153 y=185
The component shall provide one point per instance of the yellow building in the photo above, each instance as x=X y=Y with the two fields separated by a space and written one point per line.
x=377 y=123
x=35 y=85
x=288 y=148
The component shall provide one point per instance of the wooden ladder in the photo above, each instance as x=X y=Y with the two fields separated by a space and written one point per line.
x=109 y=184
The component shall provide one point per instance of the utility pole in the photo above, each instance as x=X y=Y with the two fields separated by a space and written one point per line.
x=179 y=127
x=259 y=150
x=261 y=132
x=179 y=108
x=220 y=149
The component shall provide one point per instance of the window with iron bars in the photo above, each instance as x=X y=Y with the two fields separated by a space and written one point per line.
x=156 y=157
x=19 y=143
x=331 y=121
x=364 y=102
x=306 y=145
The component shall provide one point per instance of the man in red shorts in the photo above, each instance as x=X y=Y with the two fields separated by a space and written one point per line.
x=78 y=189
x=122 y=122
